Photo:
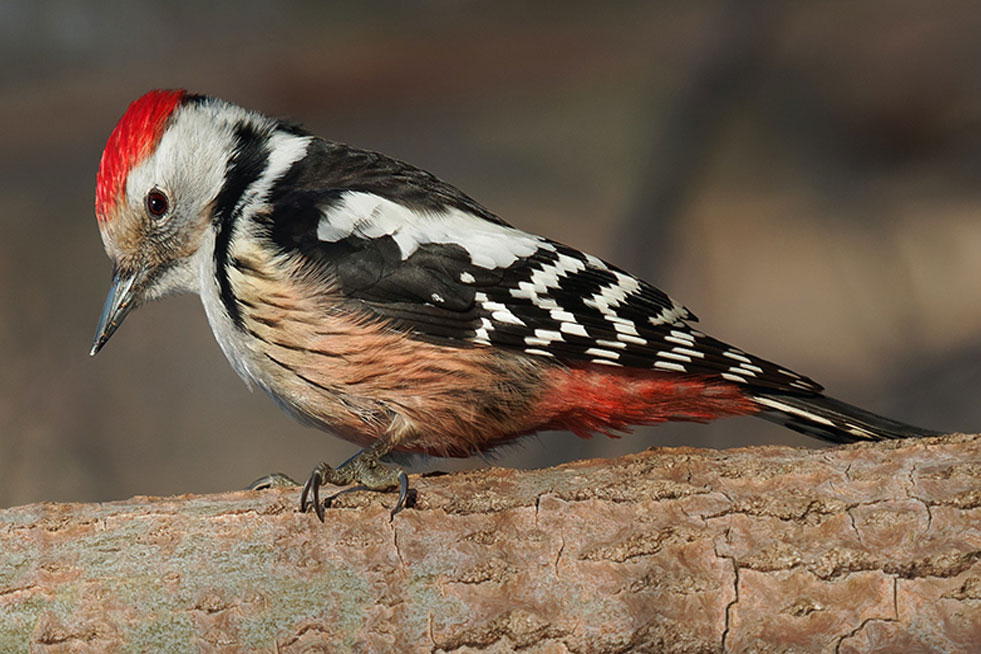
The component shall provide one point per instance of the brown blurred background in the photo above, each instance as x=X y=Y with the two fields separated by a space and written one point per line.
x=804 y=176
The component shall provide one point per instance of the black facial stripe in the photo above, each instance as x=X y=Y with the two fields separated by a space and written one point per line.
x=245 y=166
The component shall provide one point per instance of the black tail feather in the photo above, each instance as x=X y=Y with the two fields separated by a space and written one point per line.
x=832 y=420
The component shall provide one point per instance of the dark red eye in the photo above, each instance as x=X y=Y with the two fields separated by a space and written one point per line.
x=156 y=203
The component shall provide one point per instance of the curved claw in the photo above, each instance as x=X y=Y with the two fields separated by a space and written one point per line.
x=403 y=494
x=312 y=487
x=304 y=493
x=318 y=506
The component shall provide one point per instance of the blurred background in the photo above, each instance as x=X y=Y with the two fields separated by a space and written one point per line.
x=803 y=176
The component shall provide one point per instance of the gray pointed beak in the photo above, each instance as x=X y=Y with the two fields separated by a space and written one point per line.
x=123 y=298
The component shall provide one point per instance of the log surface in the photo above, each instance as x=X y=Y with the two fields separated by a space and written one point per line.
x=867 y=548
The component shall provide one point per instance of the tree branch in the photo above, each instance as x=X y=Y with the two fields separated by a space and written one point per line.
x=852 y=549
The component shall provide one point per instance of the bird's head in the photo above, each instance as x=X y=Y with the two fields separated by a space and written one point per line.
x=161 y=170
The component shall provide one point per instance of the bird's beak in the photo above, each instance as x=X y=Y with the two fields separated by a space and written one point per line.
x=123 y=298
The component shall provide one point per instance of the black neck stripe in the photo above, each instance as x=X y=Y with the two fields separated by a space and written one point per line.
x=245 y=167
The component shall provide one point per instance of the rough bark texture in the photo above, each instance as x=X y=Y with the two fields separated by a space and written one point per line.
x=870 y=548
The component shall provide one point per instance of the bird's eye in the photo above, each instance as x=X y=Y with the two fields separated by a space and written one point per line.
x=157 y=203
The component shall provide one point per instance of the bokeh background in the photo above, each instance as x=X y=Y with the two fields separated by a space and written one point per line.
x=804 y=176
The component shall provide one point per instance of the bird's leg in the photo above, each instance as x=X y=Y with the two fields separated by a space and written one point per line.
x=365 y=469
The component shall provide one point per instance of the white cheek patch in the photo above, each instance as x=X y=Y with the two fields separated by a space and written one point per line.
x=368 y=216
x=191 y=176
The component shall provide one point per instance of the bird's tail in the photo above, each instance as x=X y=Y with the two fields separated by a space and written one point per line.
x=832 y=420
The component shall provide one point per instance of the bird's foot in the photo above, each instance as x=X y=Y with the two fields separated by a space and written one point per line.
x=274 y=480
x=363 y=469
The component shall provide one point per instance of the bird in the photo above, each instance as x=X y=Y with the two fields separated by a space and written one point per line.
x=375 y=301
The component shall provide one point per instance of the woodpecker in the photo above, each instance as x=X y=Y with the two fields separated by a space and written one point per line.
x=373 y=300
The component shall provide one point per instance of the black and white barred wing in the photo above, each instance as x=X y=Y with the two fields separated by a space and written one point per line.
x=453 y=276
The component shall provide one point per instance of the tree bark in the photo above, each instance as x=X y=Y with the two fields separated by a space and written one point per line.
x=866 y=548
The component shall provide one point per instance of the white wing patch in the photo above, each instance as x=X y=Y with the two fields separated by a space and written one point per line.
x=366 y=215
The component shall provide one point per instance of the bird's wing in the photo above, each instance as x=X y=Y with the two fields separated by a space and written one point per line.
x=437 y=268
